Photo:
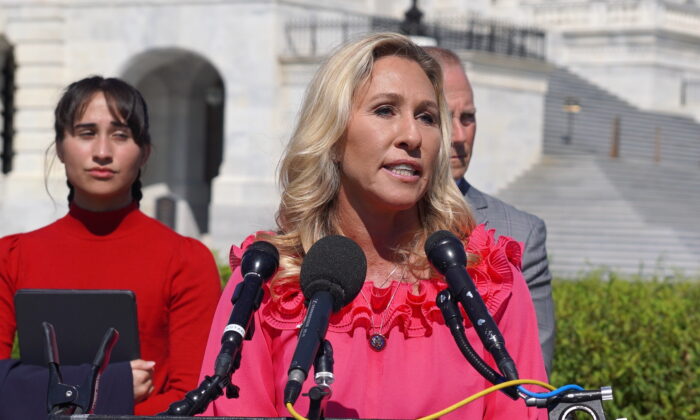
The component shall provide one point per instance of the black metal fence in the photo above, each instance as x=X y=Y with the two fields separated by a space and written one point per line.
x=491 y=36
x=316 y=37
x=7 y=100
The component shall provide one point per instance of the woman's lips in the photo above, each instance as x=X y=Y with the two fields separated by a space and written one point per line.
x=403 y=171
x=101 y=173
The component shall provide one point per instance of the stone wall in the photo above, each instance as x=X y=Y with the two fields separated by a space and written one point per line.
x=645 y=51
x=509 y=97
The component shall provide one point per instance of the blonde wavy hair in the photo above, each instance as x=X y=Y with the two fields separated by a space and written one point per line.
x=310 y=179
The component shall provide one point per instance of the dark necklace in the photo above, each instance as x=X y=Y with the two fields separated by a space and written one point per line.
x=377 y=341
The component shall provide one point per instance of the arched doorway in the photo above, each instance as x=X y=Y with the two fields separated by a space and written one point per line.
x=185 y=95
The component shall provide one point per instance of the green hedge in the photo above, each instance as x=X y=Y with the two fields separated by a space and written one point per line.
x=640 y=336
x=223 y=266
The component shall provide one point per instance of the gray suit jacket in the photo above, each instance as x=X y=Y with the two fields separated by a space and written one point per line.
x=530 y=230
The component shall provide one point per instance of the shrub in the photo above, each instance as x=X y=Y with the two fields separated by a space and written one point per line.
x=640 y=336
x=15 y=348
x=223 y=266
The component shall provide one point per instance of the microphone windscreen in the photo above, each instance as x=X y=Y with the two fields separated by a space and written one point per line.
x=335 y=264
x=445 y=250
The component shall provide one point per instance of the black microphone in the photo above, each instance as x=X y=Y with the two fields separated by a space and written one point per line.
x=446 y=253
x=332 y=275
x=259 y=263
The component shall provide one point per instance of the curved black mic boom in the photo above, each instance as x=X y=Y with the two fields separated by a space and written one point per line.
x=454 y=320
x=446 y=253
x=332 y=275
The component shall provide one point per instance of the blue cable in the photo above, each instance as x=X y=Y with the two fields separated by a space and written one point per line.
x=549 y=394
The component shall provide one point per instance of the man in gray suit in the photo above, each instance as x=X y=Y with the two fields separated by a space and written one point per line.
x=494 y=213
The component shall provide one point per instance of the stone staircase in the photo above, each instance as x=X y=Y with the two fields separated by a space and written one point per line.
x=643 y=135
x=637 y=213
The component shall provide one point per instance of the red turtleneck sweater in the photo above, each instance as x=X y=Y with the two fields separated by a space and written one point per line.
x=174 y=278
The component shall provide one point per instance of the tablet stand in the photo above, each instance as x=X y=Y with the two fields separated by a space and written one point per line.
x=69 y=399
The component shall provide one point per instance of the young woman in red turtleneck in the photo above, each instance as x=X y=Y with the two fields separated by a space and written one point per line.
x=105 y=242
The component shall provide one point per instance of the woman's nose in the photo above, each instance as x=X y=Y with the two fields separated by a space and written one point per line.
x=102 y=149
x=410 y=136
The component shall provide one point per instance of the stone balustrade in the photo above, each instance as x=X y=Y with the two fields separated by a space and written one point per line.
x=617 y=15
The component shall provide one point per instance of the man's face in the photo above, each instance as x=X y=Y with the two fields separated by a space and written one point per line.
x=460 y=100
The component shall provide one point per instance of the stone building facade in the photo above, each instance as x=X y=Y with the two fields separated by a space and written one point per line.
x=224 y=80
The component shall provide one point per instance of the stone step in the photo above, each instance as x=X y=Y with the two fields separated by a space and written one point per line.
x=635 y=247
x=596 y=235
x=576 y=269
x=613 y=213
x=626 y=212
x=629 y=216
x=592 y=126
x=659 y=260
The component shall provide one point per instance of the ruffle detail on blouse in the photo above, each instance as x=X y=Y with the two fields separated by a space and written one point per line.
x=493 y=274
x=236 y=252
x=413 y=314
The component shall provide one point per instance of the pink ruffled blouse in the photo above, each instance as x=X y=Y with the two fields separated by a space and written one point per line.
x=419 y=372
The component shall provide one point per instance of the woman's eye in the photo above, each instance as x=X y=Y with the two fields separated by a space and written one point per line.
x=121 y=135
x=85 y=133
x=384 y=111
x=427 y=118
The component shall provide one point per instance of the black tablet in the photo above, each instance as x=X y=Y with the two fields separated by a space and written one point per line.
x=80 y=318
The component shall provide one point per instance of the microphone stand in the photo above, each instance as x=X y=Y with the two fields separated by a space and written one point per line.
x=80 y=399
x=259 y=262
x=559 y=407
x=323 y=368
x=562 y=406
x=209 y=389
x=227 y=362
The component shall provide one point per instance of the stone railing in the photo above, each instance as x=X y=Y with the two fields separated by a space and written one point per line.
x=682 y=18
x=620 y=14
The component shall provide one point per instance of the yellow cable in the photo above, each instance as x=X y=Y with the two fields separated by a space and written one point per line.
x=294 y=413
x=453 y=407
x=485 y=392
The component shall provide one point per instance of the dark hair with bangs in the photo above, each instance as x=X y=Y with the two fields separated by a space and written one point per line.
x=125 y=104
x=124 y=101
